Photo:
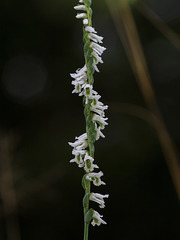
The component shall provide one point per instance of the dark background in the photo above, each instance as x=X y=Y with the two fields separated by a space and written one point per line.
x=40 y=44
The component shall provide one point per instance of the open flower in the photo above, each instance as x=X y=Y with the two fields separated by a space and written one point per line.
x=96 y=178
x=97 y=48
x=100 y=120
x=87 y=91
x=80 y=143
x=99 y=198
x=90 y=29
x=98 y=107
x=97 y=219
x=94 y=37
x=80 y=74
x=89 y=166
x=79 y=159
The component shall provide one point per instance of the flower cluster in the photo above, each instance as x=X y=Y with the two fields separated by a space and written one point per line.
x=84 y=87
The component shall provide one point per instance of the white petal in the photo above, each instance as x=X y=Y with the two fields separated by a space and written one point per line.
x=81 y=15
x=97 y=48
x=90 y=29
x=95 y=37
x=80 y=7
x=85 y=21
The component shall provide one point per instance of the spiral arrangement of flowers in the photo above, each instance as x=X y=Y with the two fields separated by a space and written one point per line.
x=83 y=147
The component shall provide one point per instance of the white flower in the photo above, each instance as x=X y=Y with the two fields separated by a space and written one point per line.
x=97 y=219
x=78 y=83
x=97 y=48
x=94 y=66
x=82 y=137
x=80 y=143
x=98 y=198
x=78 y=159
x=97 y=57
x=100 y=120
x=98 y=132
x=80 y=73
x=77 y=88
x=98 y=107
x=90 y=29
x=94 y=37
x=81 y=15
x=81 y=1
x=96 y=103
x=96 y=178
x=80 y=7
x=88 y=161
x=87 y=92
x=85 y=21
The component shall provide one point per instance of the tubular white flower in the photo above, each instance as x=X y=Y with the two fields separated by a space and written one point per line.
x=100 y=120
x=97 y=48
x=94 y=37
x=95 y=66
x=98 y=198
x=96 y=97
x=79 y=160
x=97 y=219
x=82 y=137
x=78 y=157
x=76 y=152
x=80 y=143
x=80 y=81
x=97 y=57
x=98 y=107
x=81 y=72
x=77 y=88
x=90 y=29
x=88 y=162
x=87 y=92
x=98 y=132
x=96 y=178
x=80 y=7
x=81 y=15
x=98 y=104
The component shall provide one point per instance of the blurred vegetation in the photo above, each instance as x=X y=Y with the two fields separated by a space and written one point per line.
x=40 y=192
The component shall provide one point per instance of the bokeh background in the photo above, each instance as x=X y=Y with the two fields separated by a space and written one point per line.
x=40 y=192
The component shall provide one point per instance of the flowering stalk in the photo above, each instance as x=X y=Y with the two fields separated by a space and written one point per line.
x=83 y=147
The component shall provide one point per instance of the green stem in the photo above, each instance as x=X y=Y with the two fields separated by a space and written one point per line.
x=86 y=231
x=86 y=225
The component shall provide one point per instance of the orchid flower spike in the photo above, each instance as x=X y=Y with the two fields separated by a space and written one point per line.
x=94 y=110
